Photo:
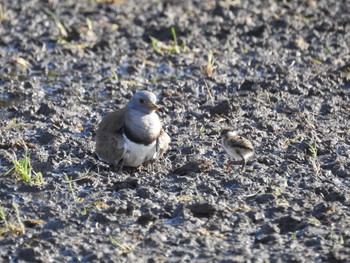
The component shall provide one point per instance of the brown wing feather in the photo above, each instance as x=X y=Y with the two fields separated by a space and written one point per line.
x=238 y=141
x=109 y=137
x=113 y=121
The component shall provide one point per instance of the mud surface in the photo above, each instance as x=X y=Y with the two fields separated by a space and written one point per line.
x=279 y=76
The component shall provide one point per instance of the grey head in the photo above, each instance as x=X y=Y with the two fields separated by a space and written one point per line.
x=143 y=101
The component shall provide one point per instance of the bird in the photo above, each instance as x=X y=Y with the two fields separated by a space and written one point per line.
x=237 y=147
x=132 y=135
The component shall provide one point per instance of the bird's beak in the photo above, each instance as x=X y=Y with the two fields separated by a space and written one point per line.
x=153 y=106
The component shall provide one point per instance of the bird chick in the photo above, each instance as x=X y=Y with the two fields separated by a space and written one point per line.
x=237 y=147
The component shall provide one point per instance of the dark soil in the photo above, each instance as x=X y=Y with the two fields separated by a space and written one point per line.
x=281 y=80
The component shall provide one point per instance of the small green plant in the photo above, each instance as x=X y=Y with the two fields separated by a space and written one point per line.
x=309 y=123
x=198 y=194
x=16 y=124
x=184 y=198
x=292 y=140
x=11 y=228
x=59 y=25
x=159 y=46
x=129 y=83
x=210 y=66
x=111 y=79
x=268 y=98
x=313 y=158
x=15 y=206
x=3 y=217
x=315 y=61
x=71 y=188
x=83 y=211
x=156 y=46
x=2 y=12
x=293 y=235
x=122 y=249
x=89 y=24
x=70 y=45
x=100 y=204
x=217 y=129
x=176 y=48
x=312 y=150
x=22 y=169
x=65 y=30
x=209 y=93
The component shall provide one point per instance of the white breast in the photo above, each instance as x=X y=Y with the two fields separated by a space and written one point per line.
x=136 y=154
x=232 y=152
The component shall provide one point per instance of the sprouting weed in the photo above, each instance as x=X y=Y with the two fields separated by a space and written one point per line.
x=313 y=159
x=211 y=65
x=59 y=25
x=71 y=188
x=9 y=227
x=122 y=249
x=22 y=169
x=160 y=47
x=176 y=48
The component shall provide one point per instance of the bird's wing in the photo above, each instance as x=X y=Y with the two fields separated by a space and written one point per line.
x=109 y=137
x=239 y=142
x=113 y=121
x=163 y=142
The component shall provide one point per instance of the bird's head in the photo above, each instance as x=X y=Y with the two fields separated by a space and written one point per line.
x=144 y=101
x=227 y=133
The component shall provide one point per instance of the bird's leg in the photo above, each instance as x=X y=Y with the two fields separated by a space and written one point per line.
x=116 y=167
x=243 y=166
x=228 y=165
x=243 y=163
x=121 y=165
x=150 y=167
x=122 y=161
x=157 y=148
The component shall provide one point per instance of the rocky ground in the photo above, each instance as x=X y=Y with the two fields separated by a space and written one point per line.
x=276 y=71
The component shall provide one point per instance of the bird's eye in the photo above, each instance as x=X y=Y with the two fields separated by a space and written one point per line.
x=142 y=101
